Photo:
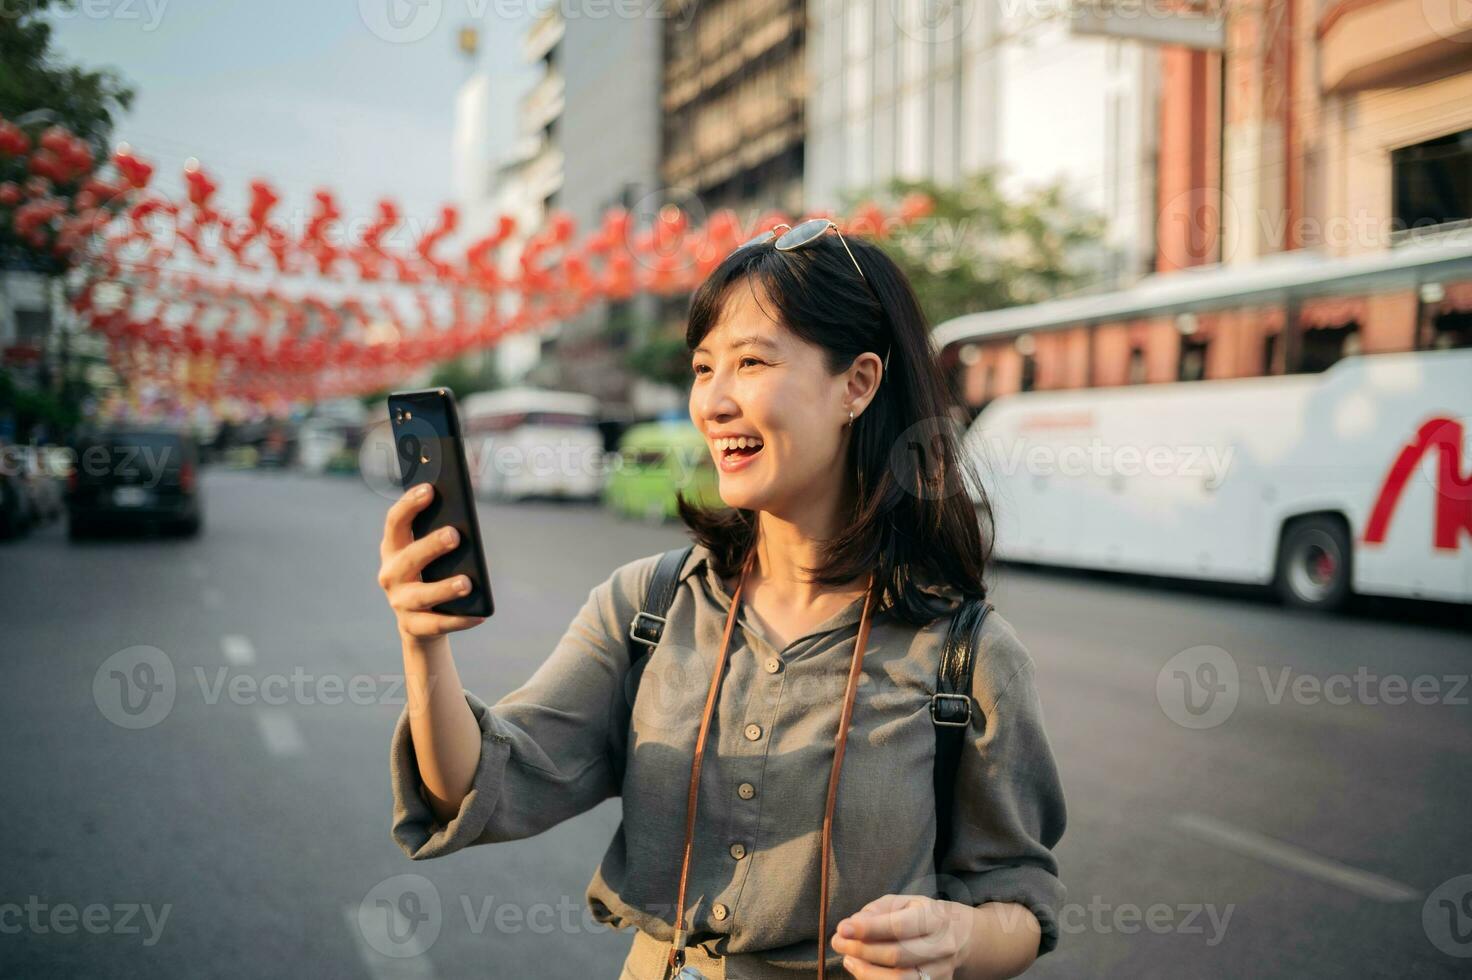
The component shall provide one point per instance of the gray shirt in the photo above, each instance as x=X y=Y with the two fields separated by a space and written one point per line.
x=554 y=747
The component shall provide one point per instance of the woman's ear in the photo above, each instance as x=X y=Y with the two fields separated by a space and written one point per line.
x=862 y=381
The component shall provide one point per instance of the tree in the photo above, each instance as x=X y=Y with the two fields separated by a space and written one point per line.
x=39 y=89
x=467 y=375
x=979 y=250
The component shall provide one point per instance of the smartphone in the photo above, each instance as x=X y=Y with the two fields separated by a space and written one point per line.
x=428 y=443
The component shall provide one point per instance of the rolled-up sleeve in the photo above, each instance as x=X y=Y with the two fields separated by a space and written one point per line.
x=1009 y=811
x=546 y=748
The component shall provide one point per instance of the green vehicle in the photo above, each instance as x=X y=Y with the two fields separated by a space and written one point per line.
x=654 y=461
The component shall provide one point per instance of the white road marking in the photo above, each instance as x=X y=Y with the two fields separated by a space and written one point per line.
x=414 y=965
x=279 y=731
x=238 y=650
x=1293 y=858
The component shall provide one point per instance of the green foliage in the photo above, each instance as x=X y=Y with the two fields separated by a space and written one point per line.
x=466 y=375
x=663 y=358
x=979 y=250
x=36 y=82
x=61 y=412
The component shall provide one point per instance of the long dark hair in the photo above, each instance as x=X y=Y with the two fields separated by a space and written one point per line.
x=915 y=521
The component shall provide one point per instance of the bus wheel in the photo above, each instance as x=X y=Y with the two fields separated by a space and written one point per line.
x=1313 y=564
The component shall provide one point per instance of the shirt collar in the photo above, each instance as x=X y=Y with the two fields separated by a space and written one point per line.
x=698 y=562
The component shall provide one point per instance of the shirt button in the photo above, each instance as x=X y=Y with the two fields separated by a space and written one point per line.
x=753 y=732
x=738 y=850
x=773 y=665
x=746 y=791
x=719 y=912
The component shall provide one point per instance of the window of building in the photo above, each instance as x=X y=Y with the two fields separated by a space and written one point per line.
x=1323 y=346
x=1136 y=372
x=1029 y=372
x=1451 y=330
x=1191 y=365
x=1432 y=181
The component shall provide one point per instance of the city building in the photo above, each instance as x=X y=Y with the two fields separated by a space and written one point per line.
x=586 y=139
x=1314 y=199
x=905 y=91
x=733 y=98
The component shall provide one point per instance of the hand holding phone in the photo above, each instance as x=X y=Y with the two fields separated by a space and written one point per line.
x=427 y=441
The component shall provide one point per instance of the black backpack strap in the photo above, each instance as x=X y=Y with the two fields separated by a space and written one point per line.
x=647 y=626
x=645 y=629
x=954 y=711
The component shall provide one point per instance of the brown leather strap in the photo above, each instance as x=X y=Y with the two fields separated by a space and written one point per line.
x=677 y=949
x=840 y=741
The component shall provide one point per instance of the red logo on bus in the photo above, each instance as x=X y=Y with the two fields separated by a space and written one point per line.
x=1453 y=487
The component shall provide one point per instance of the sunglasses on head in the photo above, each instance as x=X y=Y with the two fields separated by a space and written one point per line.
x=806 y=233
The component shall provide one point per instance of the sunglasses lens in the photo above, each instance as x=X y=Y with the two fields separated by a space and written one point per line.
x=803 y=233
x=765 y=236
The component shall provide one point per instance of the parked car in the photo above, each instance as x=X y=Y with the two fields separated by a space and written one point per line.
x=655 y=460
x=135 y=477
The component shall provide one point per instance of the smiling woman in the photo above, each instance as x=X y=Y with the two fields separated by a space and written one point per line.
x=783 y=353
x=799 y=647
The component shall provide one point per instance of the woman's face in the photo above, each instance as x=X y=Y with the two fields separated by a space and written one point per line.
x=755 y=378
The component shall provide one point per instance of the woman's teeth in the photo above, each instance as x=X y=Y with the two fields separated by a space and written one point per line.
x=727 y=445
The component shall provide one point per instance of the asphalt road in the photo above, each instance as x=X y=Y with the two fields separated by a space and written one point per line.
x=1252 y=791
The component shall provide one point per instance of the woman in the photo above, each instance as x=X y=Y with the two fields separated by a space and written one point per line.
x=848 y=543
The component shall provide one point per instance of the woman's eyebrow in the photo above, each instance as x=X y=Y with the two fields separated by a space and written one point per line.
x=749 y=341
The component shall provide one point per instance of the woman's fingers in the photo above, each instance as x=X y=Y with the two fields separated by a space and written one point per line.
x=420 y=596
x=870 y=971
x=430 y=624
x=891 y=921
x=406 y=564
x=398 y=529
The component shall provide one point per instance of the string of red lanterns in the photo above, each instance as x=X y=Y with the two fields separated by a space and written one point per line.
x=188 y=294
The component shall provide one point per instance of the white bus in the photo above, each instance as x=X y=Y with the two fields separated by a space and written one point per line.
x=527 y=442
x=1354 y=480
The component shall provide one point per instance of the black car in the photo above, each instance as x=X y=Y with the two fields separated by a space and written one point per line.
x=135 y=477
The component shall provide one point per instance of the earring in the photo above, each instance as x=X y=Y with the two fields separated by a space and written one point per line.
x=850 y=417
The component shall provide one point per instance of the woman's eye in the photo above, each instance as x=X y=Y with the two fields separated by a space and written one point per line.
x=701 y=368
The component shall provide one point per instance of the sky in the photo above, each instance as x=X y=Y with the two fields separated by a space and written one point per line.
x=356 y=95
